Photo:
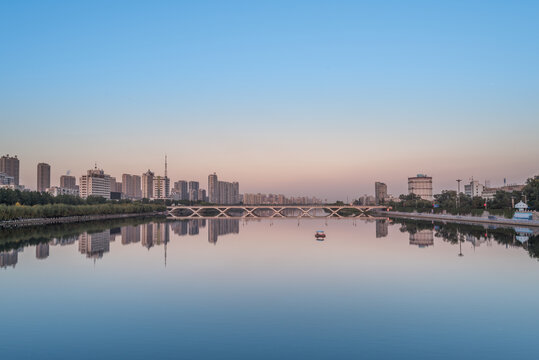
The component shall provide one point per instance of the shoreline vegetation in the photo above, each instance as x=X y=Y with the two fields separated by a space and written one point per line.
x=27 y=208
x=451 y=203
x=22 y=212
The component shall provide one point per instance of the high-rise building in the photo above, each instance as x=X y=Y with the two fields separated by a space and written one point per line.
x=193 y=190
x=43 y=177
x=161 y=187
x=131 y=186
x=181 y=188
x=95 y=183
x=201 y=195
x=213 y=188
x=421 y=185
x=194 y=185
x=228 y=192
x=380 y=192
x=115 y=186
x=10 y=166
x=68 y=182
x=147 y=185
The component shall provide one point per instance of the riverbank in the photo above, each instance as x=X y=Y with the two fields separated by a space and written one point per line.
x=10 y=224
x=462 y=218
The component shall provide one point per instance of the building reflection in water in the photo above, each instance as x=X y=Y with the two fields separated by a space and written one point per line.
x=115 y=232
x=421 y=234
x=130 y=234
x=63 y=241
x=422 y=238
x=94 y=245
x=217 y=227
x=193 y=227
x=161 y=233
x=381 y=228
x=146 y=237
x=476 y=241
x=523 y=234
x=179 y=227
x=42 y=251
x=9 y=258
x=152 y=234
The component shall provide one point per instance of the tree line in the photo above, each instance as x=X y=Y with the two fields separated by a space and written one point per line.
x=16 y=204
x=454 y=203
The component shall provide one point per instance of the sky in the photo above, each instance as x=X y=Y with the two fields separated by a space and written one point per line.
x=311 y=97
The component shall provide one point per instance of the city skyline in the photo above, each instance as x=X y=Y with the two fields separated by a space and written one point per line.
x=330 y=100
x=56 y=181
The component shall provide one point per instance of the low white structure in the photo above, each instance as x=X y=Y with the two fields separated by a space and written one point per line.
x=57 y=190
x=475 y=188
x=521 y=206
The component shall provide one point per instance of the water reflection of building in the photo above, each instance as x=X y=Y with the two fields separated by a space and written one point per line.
x=193 y=227
x=217 y=227
x=476 y=241
x=115 y=232
x=9 y=258
x=381 y=228
x=94 y=245
x=154 y=234
x=422 y=238
x=42 y=251
x=161 y=233
x=63 y=241
x=180 y=227
x=523 y=234
x=130 y=234
x=146 y=237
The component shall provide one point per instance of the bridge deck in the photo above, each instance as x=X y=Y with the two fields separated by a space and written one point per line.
x=275 y=211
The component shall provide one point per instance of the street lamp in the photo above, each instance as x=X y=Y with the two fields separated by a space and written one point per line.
x=457 y=200
x=460 y=244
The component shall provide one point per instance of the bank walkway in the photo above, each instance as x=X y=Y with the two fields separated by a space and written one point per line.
x=464 y=218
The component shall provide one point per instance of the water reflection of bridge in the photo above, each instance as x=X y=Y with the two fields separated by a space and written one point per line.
x=273 y=211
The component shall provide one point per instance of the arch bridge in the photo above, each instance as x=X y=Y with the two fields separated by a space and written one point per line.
x=274 y=211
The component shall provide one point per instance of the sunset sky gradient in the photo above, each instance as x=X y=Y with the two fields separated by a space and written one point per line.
x=295 y=97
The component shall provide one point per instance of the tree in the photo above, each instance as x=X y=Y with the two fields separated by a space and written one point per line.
x=531 y=192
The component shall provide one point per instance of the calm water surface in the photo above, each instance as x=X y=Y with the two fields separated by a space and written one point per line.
x=234 y=289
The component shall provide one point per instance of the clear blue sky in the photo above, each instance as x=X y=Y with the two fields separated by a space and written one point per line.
x=307 y=97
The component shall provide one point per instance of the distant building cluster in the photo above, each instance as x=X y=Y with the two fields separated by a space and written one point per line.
x=223 y=192
x=9 y=171
x=151 y=186
x=274 y=199
x=475 y=188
